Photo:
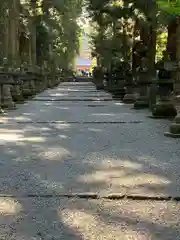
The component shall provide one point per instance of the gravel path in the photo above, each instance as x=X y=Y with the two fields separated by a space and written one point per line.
x=76 y=140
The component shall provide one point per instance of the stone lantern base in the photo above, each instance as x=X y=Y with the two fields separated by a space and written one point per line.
x=99 y=86
x=6 y=97
x=26 y=89
x=57 y=82
x=119 y=93
x=117 y=90
x=50 y=82
x=17 y=94
x=164 y=109
x=142 y=102
x=143 y=98
x=1 y=110
x=129 y=97
x=44 y=85
x=32 y=87
x=174 y=130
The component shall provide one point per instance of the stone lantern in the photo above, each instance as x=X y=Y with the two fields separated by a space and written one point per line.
x=6 y=84
x=174 y=130
x=164 y=108
x=143 y=83
x=129 y=97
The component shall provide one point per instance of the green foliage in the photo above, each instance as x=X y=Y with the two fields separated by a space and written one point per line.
x=56 y=27
x=111 y=36
x=161 y=44
x=61 y=20
x=111 y=44
x=171 y=7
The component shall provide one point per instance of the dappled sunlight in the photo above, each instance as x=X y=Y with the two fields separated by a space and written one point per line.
x=17 y=136
x=88 y=224
x=102 y=176
x=10 y=137
x=28 y=114
x=63 y=136
x=58 y=95
x=44 y=182
x=104 y=114
x=61 y=126
x=129 y=164
x=61 y=155
x=117 y=178
x=6 y=120
x=124 y=176
x=119 y=103
x=3 y=120
x=30 y=128
x=94 y=130
x=33 y=139
x=142 y=179
x=9 y=206
x=106 y=162
x=149 y=214
x=9 y=131
x=88 y=219
x=20 y=118
x=71 y=89
x=145 y=159
x=119 y=163
x=55 y=154
x=62 y=108
x=48 y=104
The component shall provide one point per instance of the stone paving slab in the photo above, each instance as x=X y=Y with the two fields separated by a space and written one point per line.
x=87 y=111
x=77 y=158
x=64 y=94
x=60 y=93
x=57 y=148
x=68 y=90
x=75 y=219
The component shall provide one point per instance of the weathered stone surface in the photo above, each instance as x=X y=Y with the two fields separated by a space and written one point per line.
x=32 y=86
x=6 y=97
x=78 y=219
x=53 y=148
x=17 y=94
x=174 y=128
x=50 y=82
x=99 y=86
x=92 y=141
x=152 y=95
x=164 y=109
x=26 y=89
x=130 y=96
x=142 y=100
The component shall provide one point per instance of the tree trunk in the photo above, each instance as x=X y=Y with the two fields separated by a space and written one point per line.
x=152 y=48
x=13 y=35
x=135 y=59
x=32 y=26
x=171 y=46
x=2 y=32
x=177 y=77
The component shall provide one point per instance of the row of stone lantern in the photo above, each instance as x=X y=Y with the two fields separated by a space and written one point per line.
x=17 y=85
x=147 y=92
x=155 y=93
